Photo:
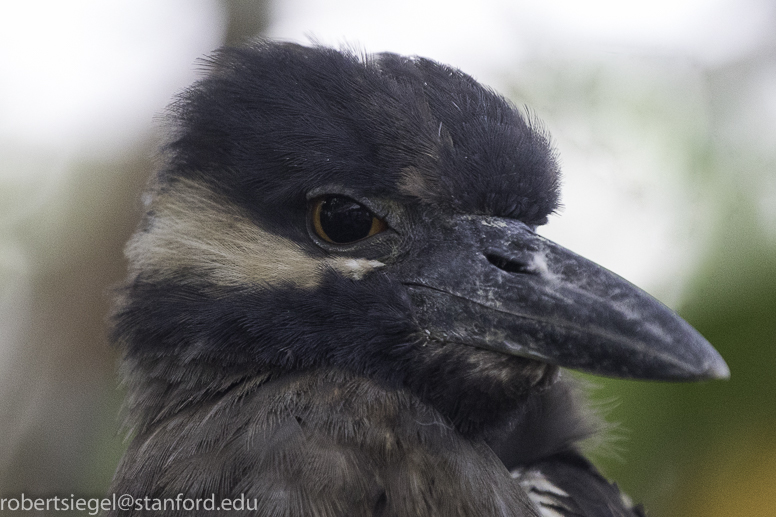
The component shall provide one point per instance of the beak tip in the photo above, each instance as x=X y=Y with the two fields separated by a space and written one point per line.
x=707 y=363
x=717 y=370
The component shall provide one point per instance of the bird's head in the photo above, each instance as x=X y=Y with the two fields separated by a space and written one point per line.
x=376 y=215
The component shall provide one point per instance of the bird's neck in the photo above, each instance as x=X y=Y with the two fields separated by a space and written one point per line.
x=323 y=428
x=165 y=387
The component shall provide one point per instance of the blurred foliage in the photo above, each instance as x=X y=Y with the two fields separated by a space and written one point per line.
x=704 y=449
x=65 y=220
x=709 y=449
x=246 y=19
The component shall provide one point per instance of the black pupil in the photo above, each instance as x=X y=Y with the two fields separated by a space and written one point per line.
x=344 y=220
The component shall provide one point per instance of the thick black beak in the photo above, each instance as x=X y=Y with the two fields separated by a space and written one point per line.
x=494 y=284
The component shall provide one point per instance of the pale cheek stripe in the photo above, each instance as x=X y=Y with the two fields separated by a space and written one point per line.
x=354 y=268
x=192 y=229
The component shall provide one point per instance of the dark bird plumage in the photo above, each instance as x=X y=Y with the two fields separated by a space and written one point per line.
x=337 y=303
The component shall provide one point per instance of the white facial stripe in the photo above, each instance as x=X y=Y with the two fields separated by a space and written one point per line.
x=193 y=228
x=355 y=269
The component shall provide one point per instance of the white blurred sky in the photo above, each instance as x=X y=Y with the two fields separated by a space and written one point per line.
x=486 y=36
x=87 y=77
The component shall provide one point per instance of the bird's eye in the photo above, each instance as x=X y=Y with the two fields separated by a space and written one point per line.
x=340 y=220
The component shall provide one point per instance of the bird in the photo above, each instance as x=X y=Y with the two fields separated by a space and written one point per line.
x=337 y=302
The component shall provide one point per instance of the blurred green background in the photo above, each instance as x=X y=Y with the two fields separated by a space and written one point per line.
x=664 y=115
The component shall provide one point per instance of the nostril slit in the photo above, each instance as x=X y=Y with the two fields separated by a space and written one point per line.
x=509 y=265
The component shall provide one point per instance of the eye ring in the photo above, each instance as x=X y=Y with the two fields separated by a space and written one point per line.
x=341 y=220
